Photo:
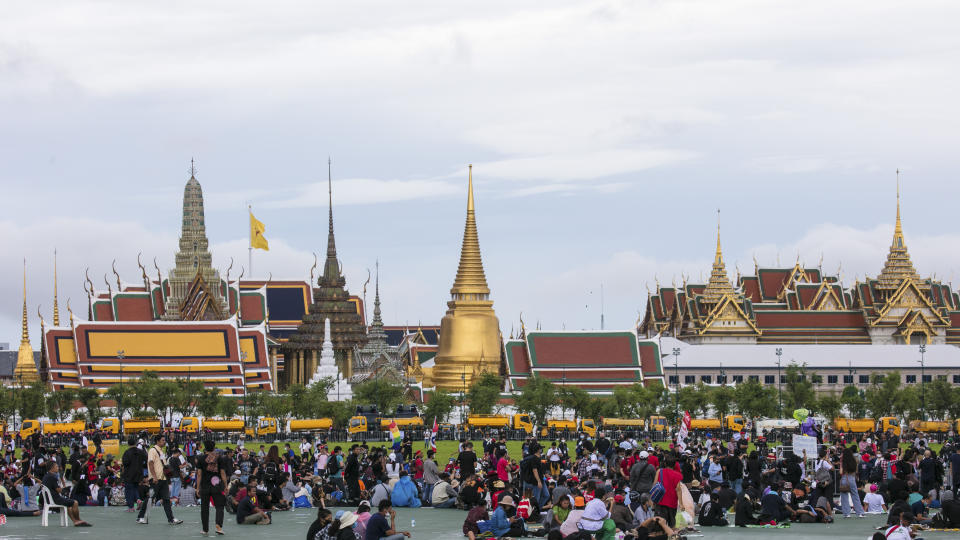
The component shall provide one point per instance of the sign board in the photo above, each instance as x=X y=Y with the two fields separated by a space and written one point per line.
x=109 y=446
x=805 y=442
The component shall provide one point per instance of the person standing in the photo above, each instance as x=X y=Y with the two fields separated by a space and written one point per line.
x=848 y=484
x=467 y=461
x=134 y=461
x=671 y=479
x=211 y=481
x=156 y=460
x=351 y=473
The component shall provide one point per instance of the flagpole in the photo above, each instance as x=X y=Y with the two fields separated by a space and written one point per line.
x=250 y=242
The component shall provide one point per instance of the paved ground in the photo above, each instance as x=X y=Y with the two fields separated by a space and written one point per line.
x=115 y=524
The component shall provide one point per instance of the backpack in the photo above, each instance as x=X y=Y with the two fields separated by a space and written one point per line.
x=333 y=465
x=823 y=476
x=876 y=473
x=211 y=463
x=270 y=471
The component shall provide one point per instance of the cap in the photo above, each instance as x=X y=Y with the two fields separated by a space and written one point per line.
x=618 y=498
x=578 y=502
x=644 y=454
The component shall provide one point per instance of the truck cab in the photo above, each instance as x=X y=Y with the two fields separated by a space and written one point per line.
x=190 y=424
x=658 y=423
x=734 y=422
x=29 y=427
x=889 y=423
x=522 y=421
x=110 y=425
x=358 y=424
x=588 y=427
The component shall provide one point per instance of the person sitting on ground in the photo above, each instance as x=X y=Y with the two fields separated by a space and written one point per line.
x=900 y=530
x=341 y=528
x=504 y=522
x=476 y=514
x=363 y=516
x=596 y=520
x=949 y=516
x=569 y=525
x=712 y=514
x=52 y=481
x=919 y=508
x=744 y=510
x=620 y=514
x=324 y=517
x=773 y=507
x=248 y=512
x=874 y=501
x=898 y=507
x=188 y=494
x=380 y=528
x=444 y=495
x=405 y=492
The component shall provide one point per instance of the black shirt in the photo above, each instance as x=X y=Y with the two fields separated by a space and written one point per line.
x=530 y=464
x=134 y=460
x=245 y=508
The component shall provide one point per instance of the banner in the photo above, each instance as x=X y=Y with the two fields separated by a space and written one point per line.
x=433 y=435
x=682 y=432
x=805 y=442
x=395 y=433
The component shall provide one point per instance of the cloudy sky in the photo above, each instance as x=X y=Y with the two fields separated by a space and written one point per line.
x=604 y=137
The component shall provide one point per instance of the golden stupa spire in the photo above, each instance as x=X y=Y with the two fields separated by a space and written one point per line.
x=56 y=308
x=26 y=369
x=898 y=266
x=719 y=284
x=470 y=278
x=24 y=330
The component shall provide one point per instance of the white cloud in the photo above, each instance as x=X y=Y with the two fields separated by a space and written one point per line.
x=367 y=191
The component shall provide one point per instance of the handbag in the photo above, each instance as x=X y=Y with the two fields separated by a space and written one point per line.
x=657 y=491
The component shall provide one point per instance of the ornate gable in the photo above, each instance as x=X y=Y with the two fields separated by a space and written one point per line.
x=729 y=317
x=908 y=297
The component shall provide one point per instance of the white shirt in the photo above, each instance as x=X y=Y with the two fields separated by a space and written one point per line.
x=873 y=502
x=553 y=454
x=897 y=532
x=393 y=470
x=305 y=447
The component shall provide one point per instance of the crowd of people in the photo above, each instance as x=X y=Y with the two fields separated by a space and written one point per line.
x=607 y=487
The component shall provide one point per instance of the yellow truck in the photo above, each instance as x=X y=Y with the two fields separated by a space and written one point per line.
x=499 y=421
x=190 y=424
x=308 y=425
x=588 y=427
x=229 y=425
x=267 y=427
x=624 y=424
x=866 y=425
x=76 y=426
x=924 y=426
x=732 y=422
x=556 y=425
x=29 y=427
x=136 y=425
x=658 y=423
x=402 y=423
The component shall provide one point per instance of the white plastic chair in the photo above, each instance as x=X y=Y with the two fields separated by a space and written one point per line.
x=48 y=506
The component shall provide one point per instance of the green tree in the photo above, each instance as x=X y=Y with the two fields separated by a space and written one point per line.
x=853 y=400
x=829 y=405
x=386 y=395
x=754 y=400
x=228 y=407
x=208 y=402
x=537 y=397
x=574 y=398
x=59 y=404
x=798 y=391
x=340 y=412
x=255 y=404
x=722 y=398
x=122 y=397
x=8 y=403
x=484 y=393
x=163 y=397
x=954 y=408
x=881 y=395
x=694 y=399
x=32 y=400
x=187 y=396
x=939 y=396
x=906 y=404
x=279 y=406
x=440 y=404
x=92 y=400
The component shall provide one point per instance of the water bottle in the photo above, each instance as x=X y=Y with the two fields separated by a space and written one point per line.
x=413 y=523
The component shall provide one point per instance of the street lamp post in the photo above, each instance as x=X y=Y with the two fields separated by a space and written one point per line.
x=676 y=373
x=923 y=381
x=120 y=356
x=463 y=397
x=563 y=388
x=779 y=353
x=243 y=380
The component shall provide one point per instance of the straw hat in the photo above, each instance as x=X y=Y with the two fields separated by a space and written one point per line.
x=506 y=501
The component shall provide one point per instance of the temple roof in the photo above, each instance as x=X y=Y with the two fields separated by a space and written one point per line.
x=719 y=284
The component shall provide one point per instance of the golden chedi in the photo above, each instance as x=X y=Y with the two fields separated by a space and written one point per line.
x=469 y=332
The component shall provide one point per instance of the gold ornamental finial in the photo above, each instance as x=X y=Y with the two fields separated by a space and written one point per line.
x=898 y=228
x=719 y=255
x=719 y=284
x=56 y=308
x=24 y=330
x=470 y=279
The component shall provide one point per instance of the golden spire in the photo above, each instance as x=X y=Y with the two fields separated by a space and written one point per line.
x=470 y=278
x=26 y=369
x=898 y=266
x=24 y=330
x=56 y=308
x=719 y=285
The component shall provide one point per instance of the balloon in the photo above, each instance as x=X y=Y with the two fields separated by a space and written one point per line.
x=801 y=414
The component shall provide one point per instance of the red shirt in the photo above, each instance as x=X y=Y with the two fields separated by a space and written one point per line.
x=670 y=478
x=503 y=466
x=652 y=460
x=418 y=469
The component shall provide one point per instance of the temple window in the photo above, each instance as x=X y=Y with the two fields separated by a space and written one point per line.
x=196 y=262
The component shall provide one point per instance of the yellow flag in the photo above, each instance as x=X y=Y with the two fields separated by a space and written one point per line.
x=256 y=234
